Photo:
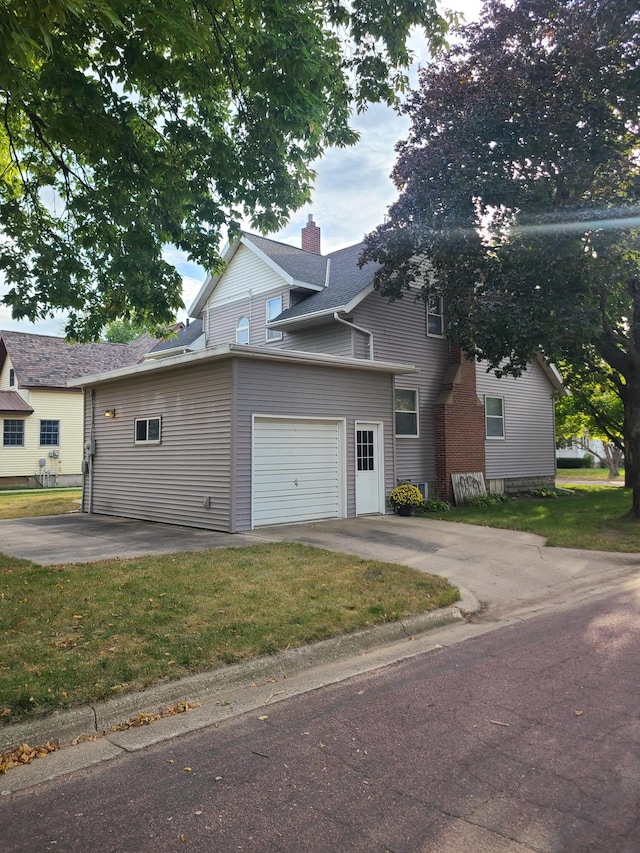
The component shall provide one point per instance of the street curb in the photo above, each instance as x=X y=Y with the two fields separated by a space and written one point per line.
x=65 y=726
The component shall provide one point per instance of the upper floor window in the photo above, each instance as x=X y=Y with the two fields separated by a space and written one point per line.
x=148 y=430
x=406 y=409
x=494 y=416
x=12 y=377
x=435 y=316
x=242 y=330
x=49 y=433
x=273 y=307
x=13 y=433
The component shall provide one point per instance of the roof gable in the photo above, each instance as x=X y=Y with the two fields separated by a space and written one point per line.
x=296 y=268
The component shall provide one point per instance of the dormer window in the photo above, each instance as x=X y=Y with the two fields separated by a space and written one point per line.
x=242 y=330
x=12 y=378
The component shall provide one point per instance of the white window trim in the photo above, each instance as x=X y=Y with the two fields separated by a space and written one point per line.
x=415 y=434
x=140 y=442
x=271 y=334
x=439 y=314
x=486 y=417
x=246 y=324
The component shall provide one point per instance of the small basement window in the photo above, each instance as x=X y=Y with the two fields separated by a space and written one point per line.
x=148 y=430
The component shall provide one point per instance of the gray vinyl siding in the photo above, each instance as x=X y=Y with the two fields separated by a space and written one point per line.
x=399 y=334
x=223 y=318
x=172 y=481
x=528 y=448
x=292 y=391
x=331 y=339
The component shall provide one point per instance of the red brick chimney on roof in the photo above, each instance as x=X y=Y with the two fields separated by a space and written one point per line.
x=311 y=237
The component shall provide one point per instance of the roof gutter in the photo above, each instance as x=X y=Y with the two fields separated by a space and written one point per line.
x=344 y=322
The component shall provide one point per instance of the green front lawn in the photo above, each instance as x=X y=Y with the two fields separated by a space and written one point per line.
x=594 y=517
x=34 y=503
x=79 y=633
x=595 y=474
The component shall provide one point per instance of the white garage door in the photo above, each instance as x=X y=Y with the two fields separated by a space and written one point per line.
x=297 y=470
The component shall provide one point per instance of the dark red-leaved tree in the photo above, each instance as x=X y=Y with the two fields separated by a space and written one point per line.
x=519 y=185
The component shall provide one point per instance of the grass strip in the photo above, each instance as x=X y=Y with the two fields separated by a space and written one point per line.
x=84 y=632
x=593 y=518
x=32 y=504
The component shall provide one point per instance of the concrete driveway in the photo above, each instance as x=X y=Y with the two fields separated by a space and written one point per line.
x=500 y=568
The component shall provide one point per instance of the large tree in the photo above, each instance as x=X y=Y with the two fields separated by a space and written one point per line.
x=519 y=187
x=593 y=413
x=126 y=126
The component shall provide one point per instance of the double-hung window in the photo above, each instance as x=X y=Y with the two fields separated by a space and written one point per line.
x=273 y=308
x=148 y=430
x=49 y=433
x=494 y=416
x=13 y=432
x=435 y=317
x=406 y=411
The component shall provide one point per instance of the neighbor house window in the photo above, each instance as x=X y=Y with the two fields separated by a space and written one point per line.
x=242 y=330
x=12 y=377
x=274 y=307
x=148 y=430
x=49 y=433
x=494 y=416
x=435 y=317
x=13 y=433
x=406 y=412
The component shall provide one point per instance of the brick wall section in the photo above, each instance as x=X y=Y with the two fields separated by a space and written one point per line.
x=459 y=424
x=311 y=237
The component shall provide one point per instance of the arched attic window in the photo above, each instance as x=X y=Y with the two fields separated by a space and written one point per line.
x=242 y=330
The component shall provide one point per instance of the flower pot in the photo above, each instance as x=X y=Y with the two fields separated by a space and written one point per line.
x=405 y=510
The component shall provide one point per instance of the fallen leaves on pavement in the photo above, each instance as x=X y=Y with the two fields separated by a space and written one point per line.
x=24 y=754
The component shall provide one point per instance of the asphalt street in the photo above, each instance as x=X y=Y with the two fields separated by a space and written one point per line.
x=523 y=739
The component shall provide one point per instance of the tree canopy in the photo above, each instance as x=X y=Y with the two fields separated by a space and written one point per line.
x=130 y=126
x=519 y=185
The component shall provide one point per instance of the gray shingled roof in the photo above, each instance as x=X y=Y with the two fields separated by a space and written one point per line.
x=346 y=281
x=43 y=361
x=300 y=265
x=11 y=401
x=185 y=337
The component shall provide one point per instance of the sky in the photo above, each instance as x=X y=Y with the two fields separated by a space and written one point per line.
x=352 y=192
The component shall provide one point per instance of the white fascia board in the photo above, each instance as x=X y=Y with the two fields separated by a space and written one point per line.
x=211 y=281
x=303 y=319
x=242 y=351
x=553 y=375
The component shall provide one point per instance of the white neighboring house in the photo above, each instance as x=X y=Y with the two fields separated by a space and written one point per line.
x=40 y=417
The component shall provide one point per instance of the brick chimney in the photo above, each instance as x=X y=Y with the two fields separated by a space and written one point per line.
x=311 y=237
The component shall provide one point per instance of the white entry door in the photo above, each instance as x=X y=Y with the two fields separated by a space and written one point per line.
x=369 y=468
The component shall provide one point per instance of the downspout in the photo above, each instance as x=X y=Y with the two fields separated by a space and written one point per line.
x=339 y=319
x=91 y=449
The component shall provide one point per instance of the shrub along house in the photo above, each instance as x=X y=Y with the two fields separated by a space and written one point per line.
x=305 y=395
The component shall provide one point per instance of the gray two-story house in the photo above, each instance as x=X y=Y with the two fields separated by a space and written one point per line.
x=299 y=393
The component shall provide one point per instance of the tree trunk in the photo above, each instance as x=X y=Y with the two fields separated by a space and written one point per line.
x=632 y=445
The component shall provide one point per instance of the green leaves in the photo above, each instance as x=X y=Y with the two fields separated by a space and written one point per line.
x=128 y=127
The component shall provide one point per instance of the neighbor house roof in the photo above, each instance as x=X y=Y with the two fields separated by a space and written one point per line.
x=11 y=401
x=44 y=361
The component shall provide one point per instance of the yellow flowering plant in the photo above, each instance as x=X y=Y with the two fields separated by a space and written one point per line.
x=405 y=495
